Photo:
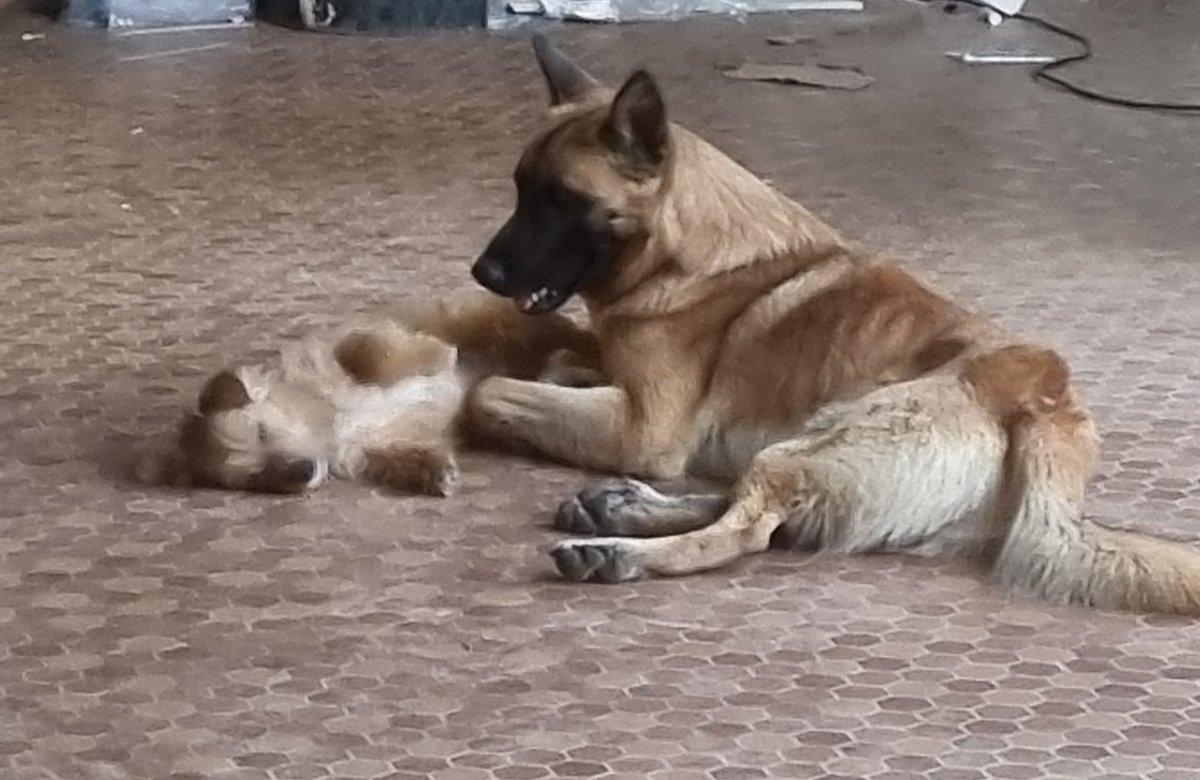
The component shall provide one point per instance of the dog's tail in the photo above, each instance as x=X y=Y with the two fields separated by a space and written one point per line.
x=1052 y=551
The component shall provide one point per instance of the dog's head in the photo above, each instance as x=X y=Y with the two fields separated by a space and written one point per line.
x=243 y=435
x=585 y=188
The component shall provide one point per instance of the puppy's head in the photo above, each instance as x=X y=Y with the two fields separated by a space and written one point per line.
x=240 y=438
x=586 y=188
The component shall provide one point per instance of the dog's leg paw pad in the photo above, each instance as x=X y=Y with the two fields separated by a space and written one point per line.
x=600 y=510
x=574 y=518
x=596 y=561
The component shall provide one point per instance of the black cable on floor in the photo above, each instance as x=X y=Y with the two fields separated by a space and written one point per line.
x=1044 y=73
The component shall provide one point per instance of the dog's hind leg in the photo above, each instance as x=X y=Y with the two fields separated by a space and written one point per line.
x=779 y=486
x=628 y=507
x=912 y=469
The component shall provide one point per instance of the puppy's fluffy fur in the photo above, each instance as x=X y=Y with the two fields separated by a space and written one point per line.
x=377 y=401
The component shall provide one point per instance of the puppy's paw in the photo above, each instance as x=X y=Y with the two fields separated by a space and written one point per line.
x=422 y=471
x=446 y=479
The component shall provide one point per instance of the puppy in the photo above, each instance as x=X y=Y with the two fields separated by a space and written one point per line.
x=376 y=402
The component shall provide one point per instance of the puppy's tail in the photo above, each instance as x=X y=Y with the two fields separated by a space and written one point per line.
x=1050 y=550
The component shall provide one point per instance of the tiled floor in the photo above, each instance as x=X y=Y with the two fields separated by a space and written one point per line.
x=159 y=214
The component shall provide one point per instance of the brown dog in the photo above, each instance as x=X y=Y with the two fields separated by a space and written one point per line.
x=377 y=402
x=849 y=406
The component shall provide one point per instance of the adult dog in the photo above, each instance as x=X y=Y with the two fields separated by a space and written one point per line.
x=849 y=406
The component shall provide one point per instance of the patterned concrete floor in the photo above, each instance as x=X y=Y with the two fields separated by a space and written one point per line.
x=160 y=213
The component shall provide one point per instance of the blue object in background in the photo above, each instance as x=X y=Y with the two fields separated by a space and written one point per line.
x=116 y=14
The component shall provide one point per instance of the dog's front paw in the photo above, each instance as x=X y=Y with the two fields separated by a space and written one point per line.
x=498 y=401
x=597 y=560
x=567 y=368
x=485 y=407
x=501 y=412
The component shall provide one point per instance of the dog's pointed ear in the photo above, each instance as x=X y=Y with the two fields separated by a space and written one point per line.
x=568 y=82
x=223 y=392
x=637 y=128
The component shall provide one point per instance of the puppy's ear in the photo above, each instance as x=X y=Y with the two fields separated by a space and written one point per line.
x=636 y=129
x=222 y=393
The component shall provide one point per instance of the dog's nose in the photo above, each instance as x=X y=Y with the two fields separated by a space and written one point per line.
x=489 y=273
x=302 y=470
